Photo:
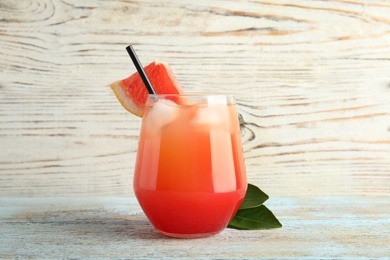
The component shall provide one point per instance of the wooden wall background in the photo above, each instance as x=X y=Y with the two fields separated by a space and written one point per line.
x=312 y=80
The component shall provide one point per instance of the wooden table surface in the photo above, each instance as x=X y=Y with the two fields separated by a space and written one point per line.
x=115 y=227
x=312 y=82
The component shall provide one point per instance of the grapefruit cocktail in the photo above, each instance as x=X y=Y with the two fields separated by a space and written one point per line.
x=190 y=175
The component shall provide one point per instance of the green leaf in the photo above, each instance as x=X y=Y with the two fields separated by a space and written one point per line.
x=255 y=218
x=254 y=197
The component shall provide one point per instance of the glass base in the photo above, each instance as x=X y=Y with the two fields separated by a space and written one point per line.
x=188 y=236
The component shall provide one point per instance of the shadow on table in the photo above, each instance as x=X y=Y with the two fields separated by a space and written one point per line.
x=87 y=224
x=137 y=226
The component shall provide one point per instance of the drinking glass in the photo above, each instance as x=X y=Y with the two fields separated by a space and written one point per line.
x=190 y=176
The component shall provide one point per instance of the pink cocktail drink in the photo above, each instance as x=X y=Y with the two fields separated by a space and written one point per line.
x=190 y=175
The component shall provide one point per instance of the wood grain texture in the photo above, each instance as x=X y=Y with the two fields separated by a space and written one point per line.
x=312 y=79
x=114 y=228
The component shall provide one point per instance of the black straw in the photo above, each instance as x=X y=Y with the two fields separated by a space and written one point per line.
x=140 y=69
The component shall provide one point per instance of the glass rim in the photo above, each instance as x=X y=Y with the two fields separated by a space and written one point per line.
x=194 y=94
x=197 y=97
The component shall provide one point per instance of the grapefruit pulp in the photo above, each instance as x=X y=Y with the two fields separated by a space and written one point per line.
x=132 y=93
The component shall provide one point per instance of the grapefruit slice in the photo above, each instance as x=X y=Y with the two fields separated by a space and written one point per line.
x=132 y=93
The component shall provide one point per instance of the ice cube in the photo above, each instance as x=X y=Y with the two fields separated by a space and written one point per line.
x=161 y=113
x=212 y=115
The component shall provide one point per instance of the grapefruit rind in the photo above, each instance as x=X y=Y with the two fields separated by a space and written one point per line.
x=125 y=101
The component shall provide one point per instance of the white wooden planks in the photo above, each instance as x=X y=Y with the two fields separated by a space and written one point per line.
x=311 y=78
